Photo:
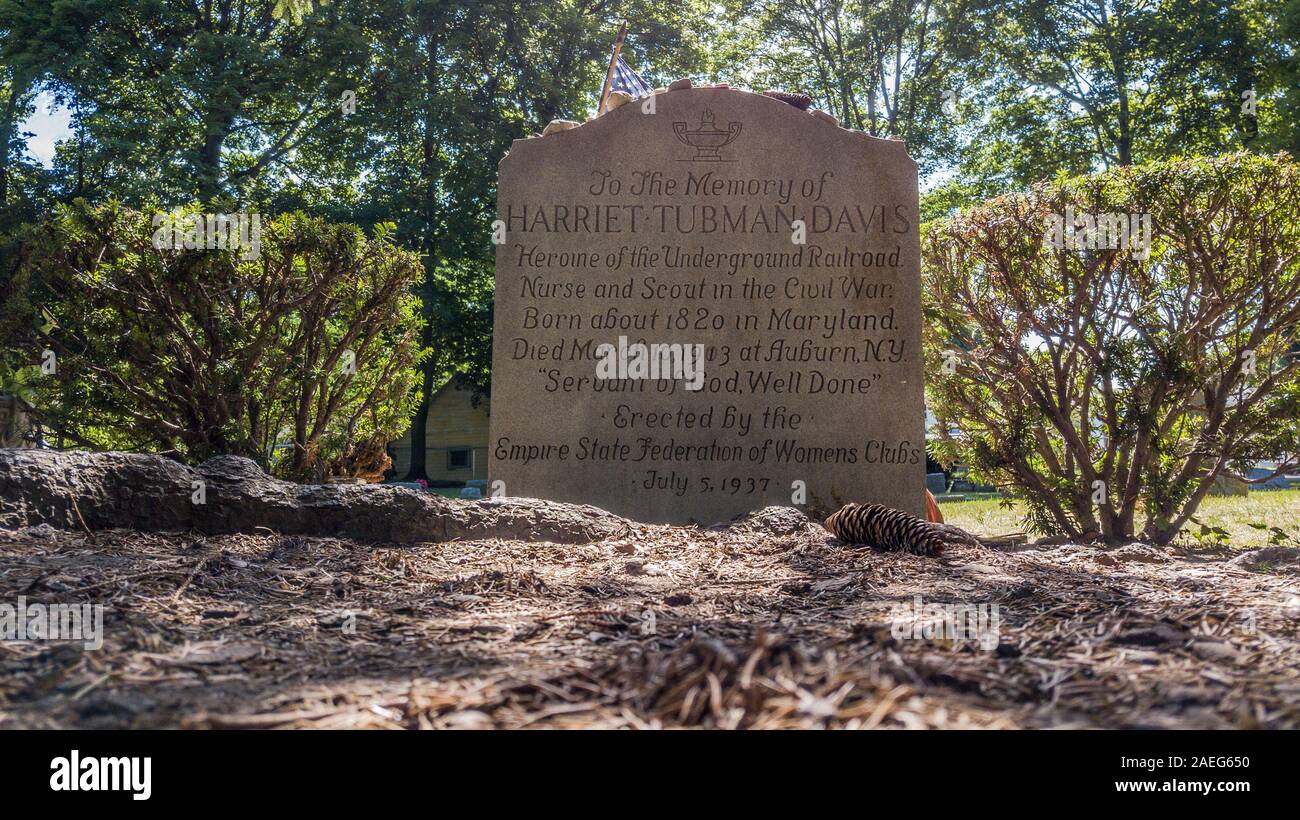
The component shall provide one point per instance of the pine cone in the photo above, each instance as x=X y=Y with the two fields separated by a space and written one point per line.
x=800 y=101
x=879 y=526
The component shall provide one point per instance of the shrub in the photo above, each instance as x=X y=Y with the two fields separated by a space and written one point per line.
x=1102 y=383
x=301 y=358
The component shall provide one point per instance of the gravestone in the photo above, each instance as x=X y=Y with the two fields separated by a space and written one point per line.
x=784 y=246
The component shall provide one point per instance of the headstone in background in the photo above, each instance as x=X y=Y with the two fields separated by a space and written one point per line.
x=679 y=225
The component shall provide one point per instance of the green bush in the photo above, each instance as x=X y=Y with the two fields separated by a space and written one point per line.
x=1103 y=384
x=208 y=351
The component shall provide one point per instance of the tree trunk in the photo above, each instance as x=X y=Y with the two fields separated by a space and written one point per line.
x=420 y=421
x=210 y=163
x=429 y=176
x=18 y=87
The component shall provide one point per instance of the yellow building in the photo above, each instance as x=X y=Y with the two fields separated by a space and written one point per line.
x=456 y=440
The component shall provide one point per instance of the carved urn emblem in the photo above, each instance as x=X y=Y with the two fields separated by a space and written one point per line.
x=707 y=139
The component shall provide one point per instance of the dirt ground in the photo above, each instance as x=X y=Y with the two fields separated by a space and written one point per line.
x=663 y=627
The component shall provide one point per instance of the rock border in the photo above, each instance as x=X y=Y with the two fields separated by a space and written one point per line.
x=95 y=491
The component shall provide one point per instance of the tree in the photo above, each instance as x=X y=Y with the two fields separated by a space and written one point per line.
x=1275 y=33
x=1080 y=86
x=300 y=357
x=1100 y=381
x=894 y=68
x=219 y=97
x=32 y=38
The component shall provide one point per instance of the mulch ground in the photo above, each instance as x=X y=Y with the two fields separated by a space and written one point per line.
x=663 y=627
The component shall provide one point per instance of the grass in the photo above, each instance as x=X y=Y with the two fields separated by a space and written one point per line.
x=1235 y=514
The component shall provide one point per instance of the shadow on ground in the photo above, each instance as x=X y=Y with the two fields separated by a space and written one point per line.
x=663 y=626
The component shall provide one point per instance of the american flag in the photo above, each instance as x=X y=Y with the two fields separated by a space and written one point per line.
x=625 y=79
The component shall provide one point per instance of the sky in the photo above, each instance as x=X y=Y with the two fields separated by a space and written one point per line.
x=48 y=124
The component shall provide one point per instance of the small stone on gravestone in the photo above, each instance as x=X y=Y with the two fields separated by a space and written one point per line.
x=616 y=99
x=786 y=248
x=556 y=126
x=679 y=85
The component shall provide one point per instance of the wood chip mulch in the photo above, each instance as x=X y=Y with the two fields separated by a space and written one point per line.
x=663 y=627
